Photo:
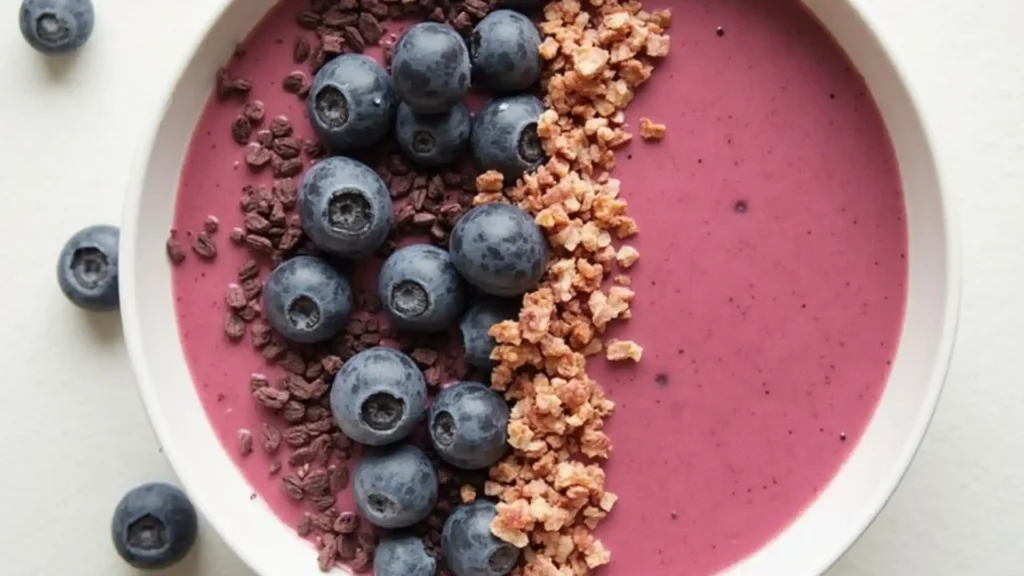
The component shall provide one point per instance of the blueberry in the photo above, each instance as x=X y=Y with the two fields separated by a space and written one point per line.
x=505 y=136
x=420 y=289
x=468 y=545
x=351 y=102
x=306 y=300
x=499 y=249
x=430 y=67
x=432 y=139
x=345 y=207
x=87 y=268
x=378 y=396
x=505 y=51
x=475 y=323
x=403 y=555
x=394 y=487
x=154 y=526
x=468 y=425
x=57 y=26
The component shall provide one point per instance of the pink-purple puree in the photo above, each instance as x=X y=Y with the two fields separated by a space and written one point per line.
x=770 y=290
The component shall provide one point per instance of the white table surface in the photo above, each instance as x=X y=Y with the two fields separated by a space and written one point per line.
x=74 y=434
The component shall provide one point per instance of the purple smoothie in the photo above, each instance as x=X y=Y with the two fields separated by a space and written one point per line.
x=770 y=290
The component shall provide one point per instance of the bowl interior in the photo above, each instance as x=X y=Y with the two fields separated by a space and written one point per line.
x=811 y=544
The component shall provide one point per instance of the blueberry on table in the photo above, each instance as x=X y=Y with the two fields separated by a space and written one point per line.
x=468 y=545
x=476 y=323
x=345 y=207
x=154 y=526
x=403 y=555
x=420 y=289
x=351 y=102
x=378 y=396
x=499 y=248
x=505 y=136
x=394 y=487
x=87 y=268
x=57 y=26
x=430 y=67
x=432 y=139
x=468 y=425
x=306 y=300
x=505 y=52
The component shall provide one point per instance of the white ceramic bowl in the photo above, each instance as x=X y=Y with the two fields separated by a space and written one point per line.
x=808 y=547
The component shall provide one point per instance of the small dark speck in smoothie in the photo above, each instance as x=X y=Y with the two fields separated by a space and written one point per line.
x=720 y=31
x=740 y=207
x=661 y=379
x=673 y=515
x=831 y=96
x=842 y=436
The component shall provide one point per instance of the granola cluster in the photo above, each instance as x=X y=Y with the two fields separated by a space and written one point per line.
x=550 y=500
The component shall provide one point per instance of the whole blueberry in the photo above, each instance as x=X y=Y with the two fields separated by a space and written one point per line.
x=306 y=300
x=432 y=139
x=420 y=289
x=430 y=67
x=345 y=207
x=468 y=545
x=394 y=487
x=378 y=396
x=468 y=425
x=403 y=555
x=505 y=52
x=351 y=102
x=499 y=249
x=505 y=136
x=476 y=323
x=154 y=526
x=57 y=26
x=87 y=268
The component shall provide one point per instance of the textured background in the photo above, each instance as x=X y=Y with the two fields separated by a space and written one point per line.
x=75 y=436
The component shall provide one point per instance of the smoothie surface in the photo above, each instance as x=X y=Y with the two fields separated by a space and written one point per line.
x=770 y=289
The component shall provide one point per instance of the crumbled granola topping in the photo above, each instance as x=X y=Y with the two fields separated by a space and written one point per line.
x=597 y=53
x=624 y=350
x=650 y=130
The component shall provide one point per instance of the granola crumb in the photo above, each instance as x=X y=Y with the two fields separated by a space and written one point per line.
x=490 y=181
x=618 y=350
x=467 y=493
x=651 y=131
x=627 y=256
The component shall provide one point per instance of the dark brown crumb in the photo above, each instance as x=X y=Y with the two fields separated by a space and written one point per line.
x=281 y=126
x=204 y=246
x=234 y=326
x=300 y=52
x=254 y=110
x=241 y=130
x=227 y=86
x=270 y=438
x=297 y=83
x=175 y=252
x=244 y=442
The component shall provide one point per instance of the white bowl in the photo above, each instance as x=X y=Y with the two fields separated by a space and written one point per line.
x=807 y=547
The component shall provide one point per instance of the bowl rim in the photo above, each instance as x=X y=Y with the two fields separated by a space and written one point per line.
x=158 y=419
